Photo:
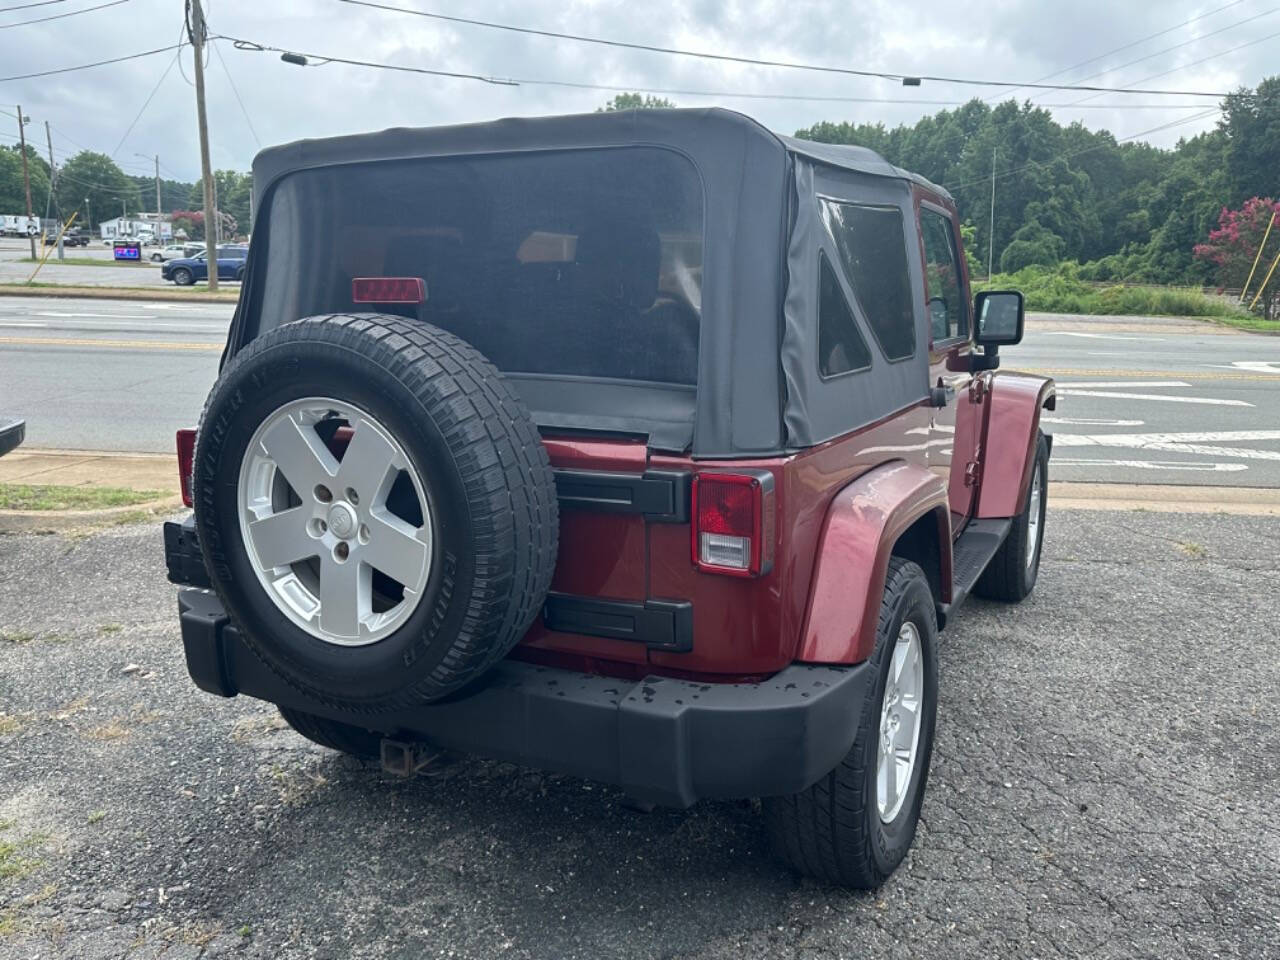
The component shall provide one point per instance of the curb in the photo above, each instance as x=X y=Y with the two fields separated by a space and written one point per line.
x=84 y=521
x=113 y=293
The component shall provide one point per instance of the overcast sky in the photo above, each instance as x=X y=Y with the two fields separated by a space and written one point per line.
x=1016 y=40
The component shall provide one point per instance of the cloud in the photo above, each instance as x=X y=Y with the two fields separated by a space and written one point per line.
x=1006 y=39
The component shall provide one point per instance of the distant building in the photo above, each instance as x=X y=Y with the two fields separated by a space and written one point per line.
x=155 y=225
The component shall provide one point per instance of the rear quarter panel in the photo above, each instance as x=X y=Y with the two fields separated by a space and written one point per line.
x=862 y=524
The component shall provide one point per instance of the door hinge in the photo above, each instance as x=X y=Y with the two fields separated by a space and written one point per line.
x=977 y=389
x=971 y=473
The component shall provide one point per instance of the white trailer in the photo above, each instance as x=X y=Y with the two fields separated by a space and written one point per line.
x=16 y=225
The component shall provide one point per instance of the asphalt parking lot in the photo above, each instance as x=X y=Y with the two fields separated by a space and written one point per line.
x=1104 y=786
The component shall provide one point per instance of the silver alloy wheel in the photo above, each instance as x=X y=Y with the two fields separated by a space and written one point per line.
x=316 y=559
x=1033 y=515
x=900 y=712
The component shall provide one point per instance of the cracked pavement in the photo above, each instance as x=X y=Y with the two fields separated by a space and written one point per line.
x=1104 y=784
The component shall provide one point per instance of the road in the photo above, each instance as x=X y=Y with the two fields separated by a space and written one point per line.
x=1103 y=785
x=1140 y=401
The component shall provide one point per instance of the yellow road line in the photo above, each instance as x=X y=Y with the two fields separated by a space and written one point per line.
x=1147 y=374
x=112 y=344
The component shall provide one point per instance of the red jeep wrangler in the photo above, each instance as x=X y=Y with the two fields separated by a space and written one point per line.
x=648 y=447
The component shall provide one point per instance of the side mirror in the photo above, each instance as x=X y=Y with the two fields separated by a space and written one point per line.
x=1000 y=316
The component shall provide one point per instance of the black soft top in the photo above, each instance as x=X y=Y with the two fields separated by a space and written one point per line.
x=758 y=391
x=516 y=134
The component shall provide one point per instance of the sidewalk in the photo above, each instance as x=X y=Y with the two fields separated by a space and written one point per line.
x=74 y=468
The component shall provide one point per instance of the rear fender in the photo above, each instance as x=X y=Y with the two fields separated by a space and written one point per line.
x=862 y=524
x=1009 y=444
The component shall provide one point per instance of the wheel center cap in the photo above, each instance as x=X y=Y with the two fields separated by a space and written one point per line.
x=342 y=520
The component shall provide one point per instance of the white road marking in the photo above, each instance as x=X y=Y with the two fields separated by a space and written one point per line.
x=1150 y=464
x=90 y=316
x=1207 y=444
x=1153 y=396
x=23 y=323
x=1089 y=422
x=1258 y=366
x=1099 y=336
x=1083 y=384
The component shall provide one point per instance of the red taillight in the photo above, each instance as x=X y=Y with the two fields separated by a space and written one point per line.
x=186 y=462
x=733 y=523
x=388 y=290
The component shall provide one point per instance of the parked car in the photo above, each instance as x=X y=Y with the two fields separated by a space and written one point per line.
x=185 y=271
x=172 y=252
x=12 y=433
x=648 y=447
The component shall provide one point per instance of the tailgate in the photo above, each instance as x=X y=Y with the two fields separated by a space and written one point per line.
x=599 y=605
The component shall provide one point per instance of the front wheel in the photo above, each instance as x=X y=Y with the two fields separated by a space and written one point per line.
x=1011 y=575
x=183 y=277
x=854 y=826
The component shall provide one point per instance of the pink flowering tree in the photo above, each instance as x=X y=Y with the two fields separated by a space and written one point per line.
x=1231 y=249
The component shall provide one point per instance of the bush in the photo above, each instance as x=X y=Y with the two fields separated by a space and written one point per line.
x=1064 y=289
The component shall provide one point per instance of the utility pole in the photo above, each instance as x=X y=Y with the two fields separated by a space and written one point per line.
x=26 y=176
x=991 y=232
x=197 y=35
x=53 y=187
x=159 y=209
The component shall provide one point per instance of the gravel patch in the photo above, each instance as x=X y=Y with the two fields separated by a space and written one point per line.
x=1104 y=785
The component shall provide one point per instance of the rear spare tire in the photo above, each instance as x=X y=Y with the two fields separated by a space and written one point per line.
x=375 y=508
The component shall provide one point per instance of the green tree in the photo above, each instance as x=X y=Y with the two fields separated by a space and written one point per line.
x=13 y=197
x=1251 y=127
x=635 y=101
x=95 y=176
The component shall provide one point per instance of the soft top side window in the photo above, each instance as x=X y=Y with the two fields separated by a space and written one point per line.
x=872 y=244
x=841 y=347
x=948 y=308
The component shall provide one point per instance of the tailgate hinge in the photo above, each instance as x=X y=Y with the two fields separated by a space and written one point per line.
x=971 y=473
x=977 y=389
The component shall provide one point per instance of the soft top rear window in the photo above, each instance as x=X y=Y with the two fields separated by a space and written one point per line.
x=581 y=263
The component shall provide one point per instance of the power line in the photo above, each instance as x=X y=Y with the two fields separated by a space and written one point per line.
x=729 y=58
x=86 y=66
x=27 y=6
x=146 y=103
x=1076 y=153
x=1129 y=46
x=263 y=48
x=63 y=16
x=253 y=46
x=1179 y=46
x=1194 y=63
x=231 y=80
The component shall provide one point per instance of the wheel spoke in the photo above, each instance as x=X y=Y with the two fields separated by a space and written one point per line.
x=888 y=782
x=900 y=651
x=299 y=454
x=281 y=538
x=394 y=548
x=345 y=596
x=370 y=463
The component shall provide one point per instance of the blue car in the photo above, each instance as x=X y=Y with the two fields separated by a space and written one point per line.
x=187 y=270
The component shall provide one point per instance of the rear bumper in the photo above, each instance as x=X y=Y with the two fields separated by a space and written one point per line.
x=665 y=741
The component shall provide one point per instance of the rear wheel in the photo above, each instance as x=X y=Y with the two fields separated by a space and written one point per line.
x=183 y=277
x=1011 y=575
x=854 y=826
x=336 y=736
